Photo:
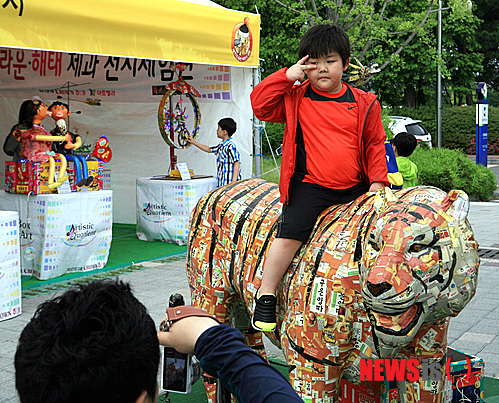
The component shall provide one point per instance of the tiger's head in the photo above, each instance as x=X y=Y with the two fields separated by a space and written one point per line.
x=419 y=263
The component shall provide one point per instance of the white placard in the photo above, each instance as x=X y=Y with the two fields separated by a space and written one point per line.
x=482 y=114
x=184 y=171
x=64 y=188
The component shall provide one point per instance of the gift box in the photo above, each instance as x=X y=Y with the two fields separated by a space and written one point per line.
x=26 y=177
x=94 y=169
x=22 y=177
x=466 y=383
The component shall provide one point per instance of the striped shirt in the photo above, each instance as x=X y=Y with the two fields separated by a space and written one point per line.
x=227 y=155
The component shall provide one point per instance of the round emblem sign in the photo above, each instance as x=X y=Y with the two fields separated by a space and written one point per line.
x=242 y=41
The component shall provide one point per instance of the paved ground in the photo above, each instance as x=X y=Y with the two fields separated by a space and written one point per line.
x=475 y=330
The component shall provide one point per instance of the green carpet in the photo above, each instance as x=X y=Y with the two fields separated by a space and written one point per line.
x=491 y=390
x=126 y=249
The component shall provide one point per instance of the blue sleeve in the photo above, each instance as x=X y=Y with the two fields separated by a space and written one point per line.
x=391 y=161
x=223 y=354
x=235 y=154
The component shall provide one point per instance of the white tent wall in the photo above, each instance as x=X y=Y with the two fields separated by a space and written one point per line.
x=135 y=140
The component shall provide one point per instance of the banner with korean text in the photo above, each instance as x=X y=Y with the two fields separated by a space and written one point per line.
x=94 y=80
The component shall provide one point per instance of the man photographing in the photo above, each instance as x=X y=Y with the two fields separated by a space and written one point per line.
x=97 y=343
x=94 y=343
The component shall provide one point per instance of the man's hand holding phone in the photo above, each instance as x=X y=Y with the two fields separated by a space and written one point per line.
x=184 y=333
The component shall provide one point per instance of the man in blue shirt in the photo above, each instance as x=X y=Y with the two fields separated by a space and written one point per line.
x=228 y=158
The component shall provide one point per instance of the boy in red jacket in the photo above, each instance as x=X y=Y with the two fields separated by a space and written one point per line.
x=333 y=147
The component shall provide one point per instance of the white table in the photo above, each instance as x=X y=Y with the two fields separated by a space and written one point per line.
x=61 y=233
x=10 y=269
x=164 y=207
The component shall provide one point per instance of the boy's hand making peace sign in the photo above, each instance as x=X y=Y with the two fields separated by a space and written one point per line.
x=297 y=71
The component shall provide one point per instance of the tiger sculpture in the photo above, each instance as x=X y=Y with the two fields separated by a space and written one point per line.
x=378 y=278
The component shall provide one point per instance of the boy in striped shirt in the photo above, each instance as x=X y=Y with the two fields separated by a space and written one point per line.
x=228 y=158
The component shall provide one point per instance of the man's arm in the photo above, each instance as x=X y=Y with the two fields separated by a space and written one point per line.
x=203 y=147
x=223 y=354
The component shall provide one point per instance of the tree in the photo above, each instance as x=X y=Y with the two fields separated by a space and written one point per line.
x=371 y=24
x=399 y=34
x=488 y=36
x=415 y=70
x=461 y=56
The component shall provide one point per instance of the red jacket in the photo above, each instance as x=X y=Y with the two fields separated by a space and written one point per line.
x=276 y=99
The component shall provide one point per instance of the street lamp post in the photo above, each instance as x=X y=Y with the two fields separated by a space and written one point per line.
x=439 y=76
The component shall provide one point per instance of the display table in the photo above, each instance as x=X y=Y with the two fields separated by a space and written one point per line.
x=61 y=233
x=164 y=207
x=10 y=269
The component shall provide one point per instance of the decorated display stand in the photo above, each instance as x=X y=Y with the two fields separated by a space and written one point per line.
x=164 y=207
x=62 y=233
x=65 y=219
x=10 y=273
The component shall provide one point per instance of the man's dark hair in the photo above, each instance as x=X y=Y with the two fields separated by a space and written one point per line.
x=321 y=39
x=406 y=143
x=228 y=124
x=56 y=103
x=94 y=343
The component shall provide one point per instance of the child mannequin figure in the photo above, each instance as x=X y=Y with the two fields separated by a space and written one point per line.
x=36 y=143
x=228 y=165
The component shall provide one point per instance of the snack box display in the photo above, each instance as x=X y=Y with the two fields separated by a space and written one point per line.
x=26 y=177
x=22 y=177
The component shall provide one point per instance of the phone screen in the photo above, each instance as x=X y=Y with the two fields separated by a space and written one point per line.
x=176 y=371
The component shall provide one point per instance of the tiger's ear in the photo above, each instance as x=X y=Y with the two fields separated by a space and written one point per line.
x=383 y=198
x=457 y=205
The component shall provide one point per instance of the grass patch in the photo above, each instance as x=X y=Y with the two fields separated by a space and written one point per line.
x=269 y=170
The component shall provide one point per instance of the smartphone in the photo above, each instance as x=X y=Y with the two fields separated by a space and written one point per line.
x=176 y=372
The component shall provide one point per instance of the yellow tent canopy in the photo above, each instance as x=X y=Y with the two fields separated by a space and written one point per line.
x=153 y=29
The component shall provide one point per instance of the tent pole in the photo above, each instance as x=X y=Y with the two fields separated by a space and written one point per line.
x=257 y=133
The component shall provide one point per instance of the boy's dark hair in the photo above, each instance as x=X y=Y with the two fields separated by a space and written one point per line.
x=321 y=39
x=56 y=103
x=406 y=143
x=228 y=124
x=94 y=343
